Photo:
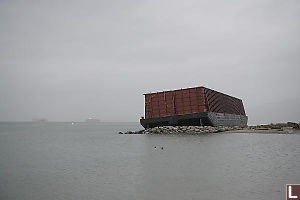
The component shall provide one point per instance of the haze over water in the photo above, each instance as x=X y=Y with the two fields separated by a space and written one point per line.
x=91 y=161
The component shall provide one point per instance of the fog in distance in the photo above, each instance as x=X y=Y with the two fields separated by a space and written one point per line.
x=70 y=60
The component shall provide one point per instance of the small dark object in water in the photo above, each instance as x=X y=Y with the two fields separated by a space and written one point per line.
x=155 y=147
x=162 y=148
x=120 y=132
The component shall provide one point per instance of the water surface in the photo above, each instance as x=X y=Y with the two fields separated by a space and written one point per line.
x=91 y=161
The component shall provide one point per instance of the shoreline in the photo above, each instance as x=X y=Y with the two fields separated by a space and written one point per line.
x=211 y=129
x=271 y=131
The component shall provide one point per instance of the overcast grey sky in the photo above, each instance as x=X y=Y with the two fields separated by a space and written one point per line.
x=69 y=60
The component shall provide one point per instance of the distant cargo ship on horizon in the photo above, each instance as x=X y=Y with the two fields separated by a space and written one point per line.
x=92 y=120
x=40 y=120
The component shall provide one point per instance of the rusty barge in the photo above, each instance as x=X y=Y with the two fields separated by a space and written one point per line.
x=197 y=106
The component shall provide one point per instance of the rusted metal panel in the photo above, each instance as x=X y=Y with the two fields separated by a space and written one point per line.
x=222 y=103
x=190 y=100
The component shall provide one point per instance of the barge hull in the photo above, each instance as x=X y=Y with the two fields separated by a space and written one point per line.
x=197 y=119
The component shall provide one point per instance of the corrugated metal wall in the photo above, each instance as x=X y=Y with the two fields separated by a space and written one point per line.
x=190 y=100
x=222 y=103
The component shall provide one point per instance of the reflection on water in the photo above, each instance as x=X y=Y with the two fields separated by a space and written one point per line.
x=92 y=161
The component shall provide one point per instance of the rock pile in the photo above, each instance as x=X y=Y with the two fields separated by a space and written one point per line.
x=183 y=130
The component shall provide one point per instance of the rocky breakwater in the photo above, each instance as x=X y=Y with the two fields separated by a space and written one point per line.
x=183 y=130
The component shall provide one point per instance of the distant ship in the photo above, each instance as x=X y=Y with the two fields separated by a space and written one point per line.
x=39 y=120
x=92 y=120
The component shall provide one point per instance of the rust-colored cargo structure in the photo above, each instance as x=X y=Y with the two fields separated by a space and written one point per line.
x=193 y=106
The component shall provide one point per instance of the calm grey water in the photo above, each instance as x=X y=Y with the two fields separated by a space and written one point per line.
x=91 y=161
